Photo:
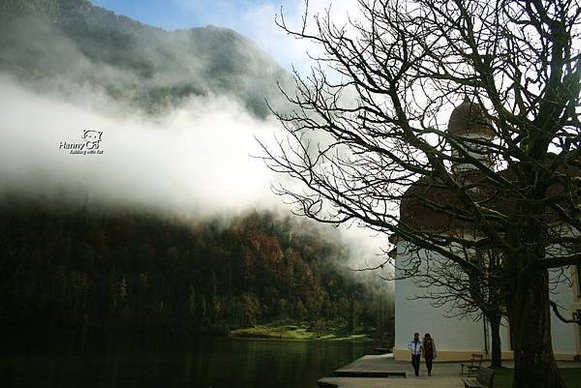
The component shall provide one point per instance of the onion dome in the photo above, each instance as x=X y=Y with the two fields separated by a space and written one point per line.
x=431 y=205
x=469 y=119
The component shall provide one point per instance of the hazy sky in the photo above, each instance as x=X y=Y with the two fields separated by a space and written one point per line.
x=173 y=14
x=254 y=19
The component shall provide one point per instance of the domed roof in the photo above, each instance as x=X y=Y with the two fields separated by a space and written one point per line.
x=429 y=204
x=468 y=118
x=417 y=213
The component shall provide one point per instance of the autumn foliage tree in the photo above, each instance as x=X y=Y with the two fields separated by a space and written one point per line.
x=74 y=267
x=370 y=123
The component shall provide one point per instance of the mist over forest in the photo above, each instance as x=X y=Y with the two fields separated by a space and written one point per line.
x=173 y=221
x=177 y=110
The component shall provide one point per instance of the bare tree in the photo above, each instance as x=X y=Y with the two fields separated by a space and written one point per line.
x=372 y=138
x=462 y=291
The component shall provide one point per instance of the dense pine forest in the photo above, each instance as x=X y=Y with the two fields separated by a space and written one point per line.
x=100 y=271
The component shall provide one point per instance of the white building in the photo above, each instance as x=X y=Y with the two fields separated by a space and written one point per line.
x=457 y=338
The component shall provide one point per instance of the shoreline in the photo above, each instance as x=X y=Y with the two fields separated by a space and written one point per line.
x=295 y=333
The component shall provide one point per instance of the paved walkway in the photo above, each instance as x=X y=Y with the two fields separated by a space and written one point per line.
x=444 y=374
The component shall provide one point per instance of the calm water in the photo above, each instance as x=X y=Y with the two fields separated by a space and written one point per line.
x=67 y=360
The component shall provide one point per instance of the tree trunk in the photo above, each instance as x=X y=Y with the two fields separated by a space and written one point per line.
x=529 y=315
x=496 y=348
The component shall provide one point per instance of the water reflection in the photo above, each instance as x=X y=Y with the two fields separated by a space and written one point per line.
x=69 y=359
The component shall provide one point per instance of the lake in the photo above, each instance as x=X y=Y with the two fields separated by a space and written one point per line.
x=71 y=359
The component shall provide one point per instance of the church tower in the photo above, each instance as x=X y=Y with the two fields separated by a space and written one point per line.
x=471 y=129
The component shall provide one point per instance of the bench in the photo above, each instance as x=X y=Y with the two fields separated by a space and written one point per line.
x=474 y=365
x=484 y=379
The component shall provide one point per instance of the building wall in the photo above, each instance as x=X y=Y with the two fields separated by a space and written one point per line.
x=456 y=338
x=576 y=305
x=566 y=336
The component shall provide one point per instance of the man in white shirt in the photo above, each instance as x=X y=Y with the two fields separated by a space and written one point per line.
x=415 y=347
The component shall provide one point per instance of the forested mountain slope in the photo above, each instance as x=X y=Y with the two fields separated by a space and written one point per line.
x=72 y=46
x=76 y=267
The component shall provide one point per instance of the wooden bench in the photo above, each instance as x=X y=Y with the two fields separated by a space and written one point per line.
x=474 y=365
x=484 y=379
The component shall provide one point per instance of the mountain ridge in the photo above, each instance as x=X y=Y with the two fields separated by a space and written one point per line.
x=53 y=44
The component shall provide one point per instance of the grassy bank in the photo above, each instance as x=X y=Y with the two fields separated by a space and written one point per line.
x=572 y=376
x=300 y=331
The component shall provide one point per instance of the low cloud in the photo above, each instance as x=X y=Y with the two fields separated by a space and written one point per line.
x=197 y=159
x=194 y=160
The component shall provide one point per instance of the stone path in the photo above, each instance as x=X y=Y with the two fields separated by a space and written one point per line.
x=415 y=382
x=444 y=374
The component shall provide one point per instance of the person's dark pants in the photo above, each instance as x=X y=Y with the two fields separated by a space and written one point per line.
x=416 y=363
x=429 y=365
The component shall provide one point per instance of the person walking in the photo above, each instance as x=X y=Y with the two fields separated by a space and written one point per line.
x=415 y=346
x=428 y=351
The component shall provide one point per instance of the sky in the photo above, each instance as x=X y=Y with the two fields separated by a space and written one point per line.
x=174 y=14
x=254 y=19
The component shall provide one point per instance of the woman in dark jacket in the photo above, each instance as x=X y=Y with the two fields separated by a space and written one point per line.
x=429 y=351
